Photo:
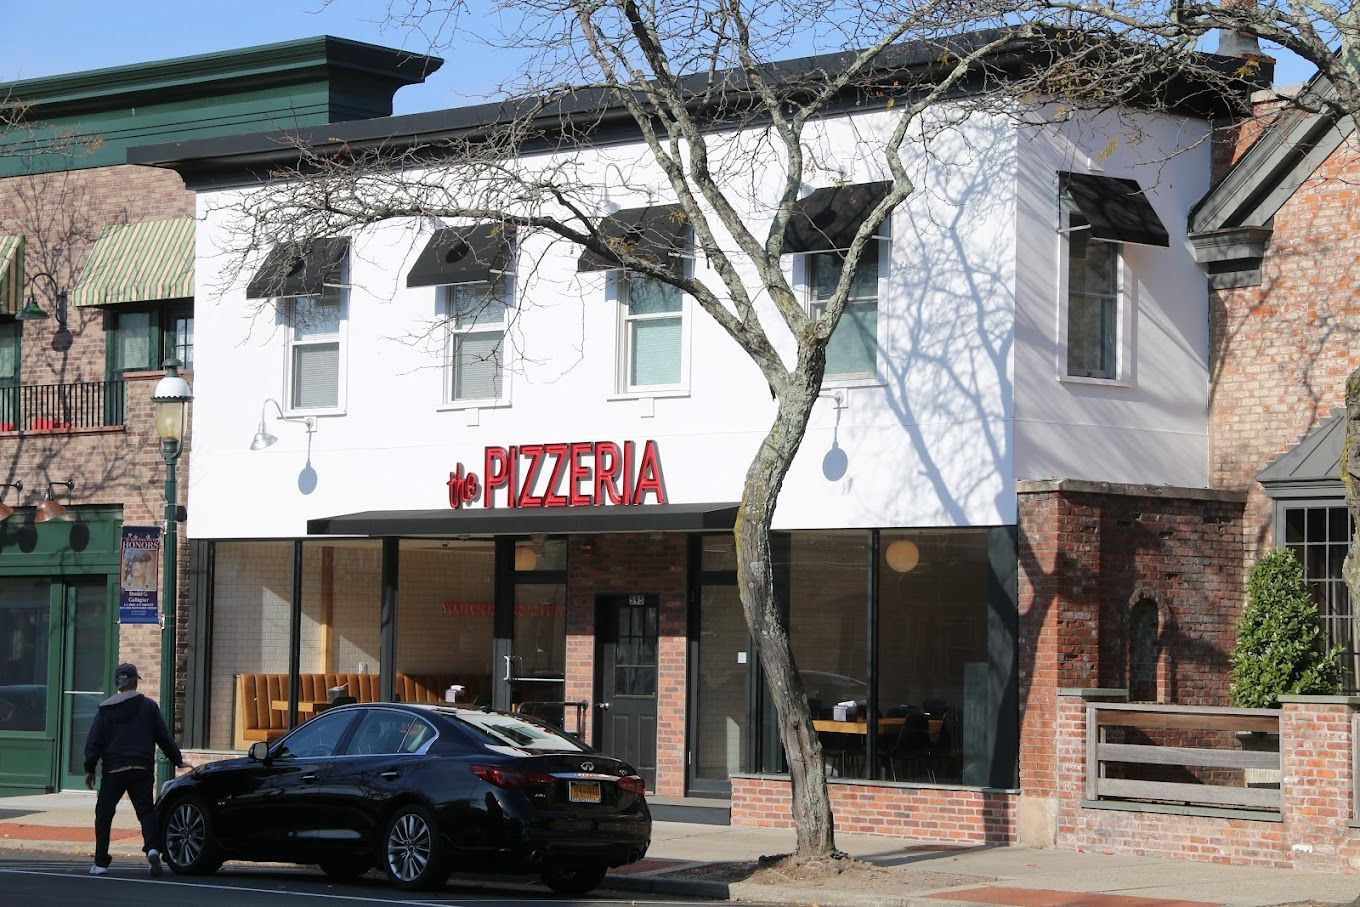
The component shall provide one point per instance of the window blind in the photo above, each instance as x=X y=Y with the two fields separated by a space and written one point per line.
x=316 y=376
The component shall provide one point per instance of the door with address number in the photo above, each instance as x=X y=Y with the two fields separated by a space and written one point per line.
x=625 y=711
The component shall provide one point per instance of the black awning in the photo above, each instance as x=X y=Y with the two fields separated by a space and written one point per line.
x=1116 y=209
x=523 y=521
x=829 y=218
x=659 y=234
x=299 y=269
x=480 y=252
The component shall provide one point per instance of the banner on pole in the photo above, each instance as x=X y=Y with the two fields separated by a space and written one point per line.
x=140 y=571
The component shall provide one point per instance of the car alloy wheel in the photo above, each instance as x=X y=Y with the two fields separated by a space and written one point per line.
x=188 y=839
x=413 y=851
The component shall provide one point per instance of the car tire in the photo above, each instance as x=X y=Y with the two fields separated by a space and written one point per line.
x=574 y=877
x=344 y=870
x=412 y=850
x=190 y=845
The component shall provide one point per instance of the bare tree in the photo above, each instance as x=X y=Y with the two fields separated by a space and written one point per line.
x=696 y=82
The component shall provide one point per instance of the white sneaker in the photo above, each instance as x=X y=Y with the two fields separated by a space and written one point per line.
x=99 y=870
x=153 y=856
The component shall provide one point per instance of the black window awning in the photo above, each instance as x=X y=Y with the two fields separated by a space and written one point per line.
x=1116 y=209
x=828 y=219
x=659 y=234
x=480 y=252
x=299 y=269
x=518 y=521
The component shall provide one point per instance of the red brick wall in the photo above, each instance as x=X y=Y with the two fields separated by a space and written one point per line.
x=61 y=215
x=1281 y=351
x=642 y=564
x=1314 y=834
x=1088 y=553
x=953 y=815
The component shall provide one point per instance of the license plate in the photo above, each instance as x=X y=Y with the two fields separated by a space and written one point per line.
x=584 y=792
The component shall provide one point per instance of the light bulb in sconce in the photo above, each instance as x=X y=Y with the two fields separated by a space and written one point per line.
x=525 y=559
x=902 y=555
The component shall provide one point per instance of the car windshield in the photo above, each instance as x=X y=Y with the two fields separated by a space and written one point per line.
x=514 y=731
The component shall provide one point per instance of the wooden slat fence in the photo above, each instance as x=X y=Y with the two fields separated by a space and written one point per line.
x=1100 y=754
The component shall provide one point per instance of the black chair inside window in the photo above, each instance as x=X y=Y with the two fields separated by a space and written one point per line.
x=911 y=749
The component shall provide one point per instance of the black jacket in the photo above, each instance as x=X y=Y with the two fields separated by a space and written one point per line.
x=126 y=730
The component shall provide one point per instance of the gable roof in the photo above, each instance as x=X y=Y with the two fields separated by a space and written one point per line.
x=1231 y=226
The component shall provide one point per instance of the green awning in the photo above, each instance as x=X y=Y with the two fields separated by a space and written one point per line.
x=11 y=273
x=141 y=262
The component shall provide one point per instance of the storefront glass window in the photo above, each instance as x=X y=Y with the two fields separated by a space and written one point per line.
x=720 y=689
x=539 y=654
x=540 y=554
x=341 y=592
x=719 y=553
x=827 y=583
x=445 y=620
x=252 y=587
x=933 y=671
x=24 y=610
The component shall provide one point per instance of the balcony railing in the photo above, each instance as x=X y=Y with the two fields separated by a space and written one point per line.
x=59 y=407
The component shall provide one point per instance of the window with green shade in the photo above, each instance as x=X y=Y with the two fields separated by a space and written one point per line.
x=141 y=338
x=852 y=351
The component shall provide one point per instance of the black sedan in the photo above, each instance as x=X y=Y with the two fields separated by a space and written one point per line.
x=419 y=790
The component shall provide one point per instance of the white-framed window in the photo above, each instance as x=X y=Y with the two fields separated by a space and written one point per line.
x=477 y=316
x=852 y=352
x=316 y=327
x=651 y=336
x=1094 y=324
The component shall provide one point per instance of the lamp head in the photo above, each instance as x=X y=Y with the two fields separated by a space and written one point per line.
x=262 y=439
x=50 y=508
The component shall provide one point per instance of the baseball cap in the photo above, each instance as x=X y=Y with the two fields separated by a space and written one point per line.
x=127 y=669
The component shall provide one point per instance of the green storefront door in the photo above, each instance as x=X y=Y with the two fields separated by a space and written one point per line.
x=85 y=669
x=54 y=670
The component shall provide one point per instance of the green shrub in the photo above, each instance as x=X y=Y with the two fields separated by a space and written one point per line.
x=1279 y=650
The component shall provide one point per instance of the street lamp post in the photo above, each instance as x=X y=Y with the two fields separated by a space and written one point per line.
x=171 y=397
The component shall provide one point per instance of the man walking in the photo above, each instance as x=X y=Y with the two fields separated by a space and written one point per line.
x=126 y=731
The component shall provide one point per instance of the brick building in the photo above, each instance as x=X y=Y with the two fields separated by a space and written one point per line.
x=96 y=290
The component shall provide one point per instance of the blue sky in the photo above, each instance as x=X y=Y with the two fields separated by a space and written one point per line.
x=48 y=37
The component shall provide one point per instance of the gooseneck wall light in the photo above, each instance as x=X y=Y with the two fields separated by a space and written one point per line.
x=50 y=508
x=7 y=511
x=264 y=439
x=31 y=311
x=171 y=398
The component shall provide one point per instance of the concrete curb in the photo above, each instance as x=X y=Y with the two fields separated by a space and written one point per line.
x=770 y=894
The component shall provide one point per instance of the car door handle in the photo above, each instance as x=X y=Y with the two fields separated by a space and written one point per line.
x=390 y=775
x=308 y=778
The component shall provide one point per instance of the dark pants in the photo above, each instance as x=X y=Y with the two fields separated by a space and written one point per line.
x=136 y=783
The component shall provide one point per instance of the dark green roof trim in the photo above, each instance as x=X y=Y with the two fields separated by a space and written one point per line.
x=597 y=115
x=90 y=119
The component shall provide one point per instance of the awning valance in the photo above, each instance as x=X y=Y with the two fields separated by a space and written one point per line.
x=829 y=218
x=524 y=521
x=140 y=262
x=299 y=269
x=480 y=252
x=659 y=234
x=1116 y=209
x=11 y=273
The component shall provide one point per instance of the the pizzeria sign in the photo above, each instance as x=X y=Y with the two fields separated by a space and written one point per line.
x=574 y=474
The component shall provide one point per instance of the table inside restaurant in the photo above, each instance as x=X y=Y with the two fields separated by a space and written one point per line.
x=861 y=726
x=304 y=705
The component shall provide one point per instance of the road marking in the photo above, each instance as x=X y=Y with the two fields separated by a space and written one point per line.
x=442 y=902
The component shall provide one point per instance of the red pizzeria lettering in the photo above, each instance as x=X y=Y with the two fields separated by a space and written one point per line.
x=578 y=474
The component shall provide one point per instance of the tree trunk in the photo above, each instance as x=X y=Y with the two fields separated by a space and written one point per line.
x=811 y=804
x=1350 y=477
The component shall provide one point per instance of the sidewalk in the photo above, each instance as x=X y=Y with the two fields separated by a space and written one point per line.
x=685 y=859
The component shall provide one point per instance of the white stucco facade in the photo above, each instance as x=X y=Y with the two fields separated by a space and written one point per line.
x=968 y=398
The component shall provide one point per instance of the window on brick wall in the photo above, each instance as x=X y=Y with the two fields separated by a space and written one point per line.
x=1319 y=532
x=142 y=338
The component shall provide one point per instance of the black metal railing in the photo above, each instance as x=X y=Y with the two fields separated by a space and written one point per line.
x=59 y=407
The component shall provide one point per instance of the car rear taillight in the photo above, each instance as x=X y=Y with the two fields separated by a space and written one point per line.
x=512 y=778
x=633 y=784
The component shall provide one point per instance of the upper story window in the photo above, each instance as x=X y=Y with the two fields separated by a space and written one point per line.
x=653 y=334
x=1100 y=217
x=141 y=339
x=315 y=343
x=478 y=315
x=1093 y=296
x=852 y=351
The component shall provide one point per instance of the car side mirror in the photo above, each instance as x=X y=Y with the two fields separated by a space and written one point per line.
x=259 y=751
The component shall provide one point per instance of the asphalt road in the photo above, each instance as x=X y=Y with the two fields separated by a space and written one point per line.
x=33 y=878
